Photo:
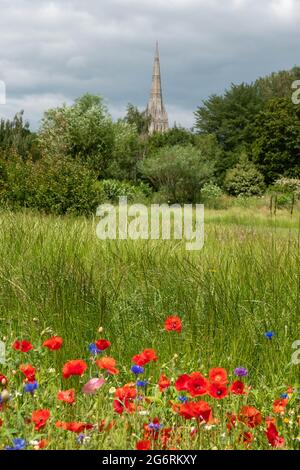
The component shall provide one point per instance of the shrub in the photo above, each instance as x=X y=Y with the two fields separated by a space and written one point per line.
x=287 y=186
x=56 y=185
x=114 y=189
x=244 y=179
x=211 y=195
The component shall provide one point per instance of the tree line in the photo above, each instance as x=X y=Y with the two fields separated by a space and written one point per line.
x=244 y=142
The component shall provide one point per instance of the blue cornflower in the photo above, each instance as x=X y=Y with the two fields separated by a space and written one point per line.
x=269 y=335
x=93 y=349
x=284 y=396
x=80 y=438
x=18 y=444
x=183 y=399
x=31 y=387
x=137 y=370
x=155 y=426
x=241 y=372
x=141 y=383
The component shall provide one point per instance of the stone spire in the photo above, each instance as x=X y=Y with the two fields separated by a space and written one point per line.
x=155 y=109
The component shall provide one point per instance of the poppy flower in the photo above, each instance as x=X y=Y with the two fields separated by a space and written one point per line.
x=237 y=388
x=197 y=384
x=124 y=399
x=42 y=444
x=75 y=367
x=73 y=426
x=163 y=382
x=40 y=418
x=67 y=396
x=218 y=390
x=3 y=380
x=199 y=410
x=173 y=324
x=246 y=438
x=22 y=346
x=102 y=344
x=54 y=343
x=218 y=375
x=108 y=364
x=143 y=445
x=250 y=416
x=105 y=426
x=91 y=387
x=145 y=357
x=273 y=436
x=280 y=405
x=182 y=383
x=29 y=372
x=231 y=421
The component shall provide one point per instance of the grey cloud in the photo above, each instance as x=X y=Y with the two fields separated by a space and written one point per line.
x=53 y=51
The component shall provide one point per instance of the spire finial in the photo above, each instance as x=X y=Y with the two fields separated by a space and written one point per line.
x=157 y=50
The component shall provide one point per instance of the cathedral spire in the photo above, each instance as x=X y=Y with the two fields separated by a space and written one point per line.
x=155 y=109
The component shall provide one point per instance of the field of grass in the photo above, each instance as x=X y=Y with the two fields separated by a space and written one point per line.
x=57 y=278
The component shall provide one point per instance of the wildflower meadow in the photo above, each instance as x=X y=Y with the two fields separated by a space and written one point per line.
x=142 y=345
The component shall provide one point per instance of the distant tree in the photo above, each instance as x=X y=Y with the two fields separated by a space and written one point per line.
x=178 y=171
x=230 y=117
x=15 y=134
x=174 y=136
x=137 y=118
x=276 y=148
x=244 y=179
x=278 y=85
x=83 y=131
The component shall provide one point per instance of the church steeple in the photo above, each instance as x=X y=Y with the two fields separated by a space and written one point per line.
x=155 y=109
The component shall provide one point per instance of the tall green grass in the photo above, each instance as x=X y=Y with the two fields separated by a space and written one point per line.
x=56 y=277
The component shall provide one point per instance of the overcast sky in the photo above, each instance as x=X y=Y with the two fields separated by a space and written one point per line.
x=53 y=51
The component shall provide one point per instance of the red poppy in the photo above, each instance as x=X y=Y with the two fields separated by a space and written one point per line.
x=197 y=384
x=250 y=416
x=22 y=346
x=54 y=343
x=108 y=364
x=182 y=383
x=143 y=445
x=124 y=399
x=173 y=324
x=74 y=426
x=67 y=396
x=237 y=388
x=42 y=444
x=273 y=436
x=231 y=421
x=218 y=390
x=280 y=405
x=75 y=367
x=102 y=344
x=40 y=418
x=3 y=380
x=199 y=410
x=103 y=425
x=165 y=436
x=145 y=357
x=163 y=382
x=218 y=375
x=246 y=438
x=29 y=372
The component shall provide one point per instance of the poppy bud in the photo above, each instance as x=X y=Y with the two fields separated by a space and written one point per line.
x=5 y=396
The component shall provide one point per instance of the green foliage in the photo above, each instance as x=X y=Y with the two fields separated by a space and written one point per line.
x=276 y=149
x=59 y=186
x=179 y=171
x=278 y=85
x=287 y=186
x=138 y=119
x=230 y=117
x=174 y=136
x=244 y=179
x=83 y=131
x=210 y=195
x=113 y=190
x=15 y=136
